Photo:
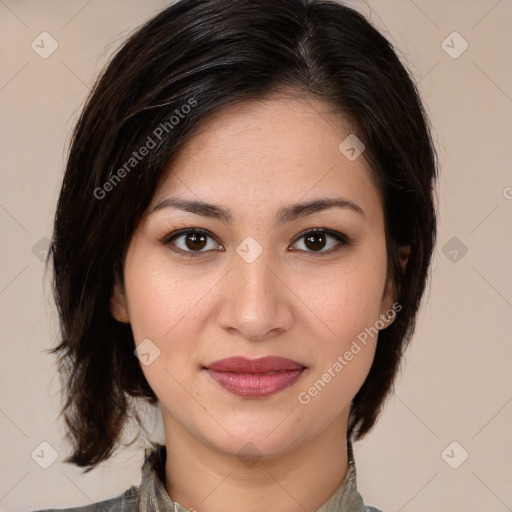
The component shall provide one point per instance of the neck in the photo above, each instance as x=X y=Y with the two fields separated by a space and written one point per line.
x=202 y=478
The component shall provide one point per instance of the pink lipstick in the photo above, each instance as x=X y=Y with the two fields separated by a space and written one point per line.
x=254 y=378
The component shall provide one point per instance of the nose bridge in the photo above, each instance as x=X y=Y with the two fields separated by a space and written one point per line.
x=253 y=297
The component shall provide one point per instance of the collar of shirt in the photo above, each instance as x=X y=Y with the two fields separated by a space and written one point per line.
x=154 y=497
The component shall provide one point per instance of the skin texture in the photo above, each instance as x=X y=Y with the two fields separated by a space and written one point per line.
x=294 y=300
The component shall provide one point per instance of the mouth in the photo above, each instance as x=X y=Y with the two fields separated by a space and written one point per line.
x=255 y=378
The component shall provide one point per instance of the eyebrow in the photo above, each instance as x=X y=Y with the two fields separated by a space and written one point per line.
x=285 y=214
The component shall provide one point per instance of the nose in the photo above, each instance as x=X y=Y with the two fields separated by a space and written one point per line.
x=255 y=299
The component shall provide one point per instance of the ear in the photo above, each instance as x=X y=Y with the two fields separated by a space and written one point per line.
x=118 y=304
x=390 y=296
x=404 y=251
x=387 y=312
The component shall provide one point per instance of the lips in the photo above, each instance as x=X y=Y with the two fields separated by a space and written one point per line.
x=262 y=365
x=255 y=378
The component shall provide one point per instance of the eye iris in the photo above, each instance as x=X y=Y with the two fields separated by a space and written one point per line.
x=309 y=241
x=196 y=239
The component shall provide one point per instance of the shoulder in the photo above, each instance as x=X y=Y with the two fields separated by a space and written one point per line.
x=126 y=502
x=370 y=509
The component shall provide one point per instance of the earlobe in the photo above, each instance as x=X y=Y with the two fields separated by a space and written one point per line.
x=389 y=298
x=404 y=251
x=118 y=305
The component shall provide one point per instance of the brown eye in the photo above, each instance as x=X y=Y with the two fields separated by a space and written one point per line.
x=189 y=242
x=316 y=240
x=193 y=242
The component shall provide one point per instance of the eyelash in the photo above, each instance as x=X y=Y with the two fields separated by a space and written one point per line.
x=343 y=240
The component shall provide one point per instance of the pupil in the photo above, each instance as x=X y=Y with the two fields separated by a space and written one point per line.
x=197 y=239
x=311 y=245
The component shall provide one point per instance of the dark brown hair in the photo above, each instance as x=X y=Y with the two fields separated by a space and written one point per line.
x=206 y=55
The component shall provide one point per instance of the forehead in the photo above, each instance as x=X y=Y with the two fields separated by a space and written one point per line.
x=272 y=151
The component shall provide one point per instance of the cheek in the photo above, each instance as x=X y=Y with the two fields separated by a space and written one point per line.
x=346 y=345
x=167 y=310
x=330 y=391
x=161 y=301
x=346 y=300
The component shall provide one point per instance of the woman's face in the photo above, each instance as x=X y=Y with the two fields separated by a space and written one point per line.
x=258 y=283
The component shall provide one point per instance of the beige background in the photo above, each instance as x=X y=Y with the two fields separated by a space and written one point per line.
x=456 y=384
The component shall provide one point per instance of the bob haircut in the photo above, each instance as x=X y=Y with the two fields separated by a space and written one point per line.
x=191 y=60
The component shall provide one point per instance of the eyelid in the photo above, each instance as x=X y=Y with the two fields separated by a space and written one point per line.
x=342 y=239
x=169 y=238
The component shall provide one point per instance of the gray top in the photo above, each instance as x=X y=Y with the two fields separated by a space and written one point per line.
x=151 y=496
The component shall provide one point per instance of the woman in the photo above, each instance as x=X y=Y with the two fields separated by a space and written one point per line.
x=243 y=236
